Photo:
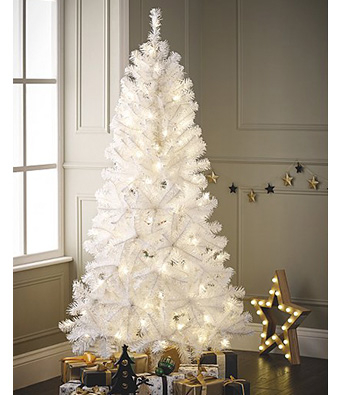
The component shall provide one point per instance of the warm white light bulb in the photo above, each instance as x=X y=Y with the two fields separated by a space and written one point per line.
x=268 y=304
x=261 y=348
x=267 y=342
x=158 y=165
x=280 y=307
x=264 y=322
x=289 y=320
x=258 y=312
x=225 y=343
x=274 y=337
x=277 y=293
x=271 y=291
x=261 y=302
x=253 y=302
x=296 y=313
x=180 y=327
x=288 y=309
x=176 y=98
x=274 y=279
x=286 y=341
x=283 y=327
x=263 y=335
x=287 y=356
x=280 y=346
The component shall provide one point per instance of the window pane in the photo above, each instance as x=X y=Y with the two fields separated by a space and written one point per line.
x=17 y=125
x=42 y=211
x=41 y=124
x=18 y=214
x=17 y=38
x=41 y=38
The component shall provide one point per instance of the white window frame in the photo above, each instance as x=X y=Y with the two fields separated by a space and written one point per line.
x=59 y=252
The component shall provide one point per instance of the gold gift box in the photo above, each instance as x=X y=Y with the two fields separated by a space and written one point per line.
x=71 y=366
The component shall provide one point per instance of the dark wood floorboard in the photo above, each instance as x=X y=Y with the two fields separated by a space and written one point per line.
x=269 y=375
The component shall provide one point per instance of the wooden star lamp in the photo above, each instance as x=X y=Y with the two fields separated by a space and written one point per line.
x=287 y=340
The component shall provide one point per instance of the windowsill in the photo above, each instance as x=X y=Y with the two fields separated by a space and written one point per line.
x=47 y=262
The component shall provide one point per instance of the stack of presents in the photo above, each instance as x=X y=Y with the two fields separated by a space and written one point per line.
x=214 y=374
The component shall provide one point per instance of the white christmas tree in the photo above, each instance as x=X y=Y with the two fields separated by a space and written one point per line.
x=157 y=278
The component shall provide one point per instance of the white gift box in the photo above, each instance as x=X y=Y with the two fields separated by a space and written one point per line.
x=157 y=384
x=70 y=387
x=206 y=369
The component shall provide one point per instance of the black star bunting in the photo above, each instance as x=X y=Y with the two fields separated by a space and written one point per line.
x=269 y=188
x=299 y=168
x=233 y=188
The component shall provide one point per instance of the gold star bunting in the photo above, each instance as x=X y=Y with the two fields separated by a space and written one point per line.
x=212 y=177
x=251 y=196
x=287 y=340
x=313 y=183
x=287 y=179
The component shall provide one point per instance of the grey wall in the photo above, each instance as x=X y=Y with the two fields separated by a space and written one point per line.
x=260 y=76
x=40 y=298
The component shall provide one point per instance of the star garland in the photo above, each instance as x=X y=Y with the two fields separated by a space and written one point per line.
x=314 y=182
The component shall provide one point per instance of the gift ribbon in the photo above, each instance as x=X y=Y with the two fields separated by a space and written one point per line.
x=237 y=381
x=164 y=384
x=220 y=361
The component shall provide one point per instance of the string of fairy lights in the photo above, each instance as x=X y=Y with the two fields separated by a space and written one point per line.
x=288 y=179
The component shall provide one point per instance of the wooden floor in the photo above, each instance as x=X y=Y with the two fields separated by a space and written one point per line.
x=269 y=375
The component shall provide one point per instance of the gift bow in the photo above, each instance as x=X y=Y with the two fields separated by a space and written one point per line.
x=199 y=379
x=232 y=379
x=87 y=357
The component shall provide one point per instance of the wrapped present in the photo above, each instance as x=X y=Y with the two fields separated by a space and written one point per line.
x=199 y=385
x=159 y=385
x=69 y=387
x=226 y=361
x=91 y=391
x=140 y=361
x=71 y=366
x=97 y=375
x=74 y=387
x=234 y=386
x=195 y=369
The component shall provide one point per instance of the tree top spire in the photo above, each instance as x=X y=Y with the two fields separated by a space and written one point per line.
x=156 y=17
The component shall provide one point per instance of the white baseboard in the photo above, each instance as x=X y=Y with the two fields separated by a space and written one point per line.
x=312 y=342
x=44 y=364
x=39 y=365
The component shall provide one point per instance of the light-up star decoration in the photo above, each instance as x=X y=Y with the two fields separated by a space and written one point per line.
x=287 y=340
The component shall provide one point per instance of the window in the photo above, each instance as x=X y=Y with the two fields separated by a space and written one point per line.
x=36 y=159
